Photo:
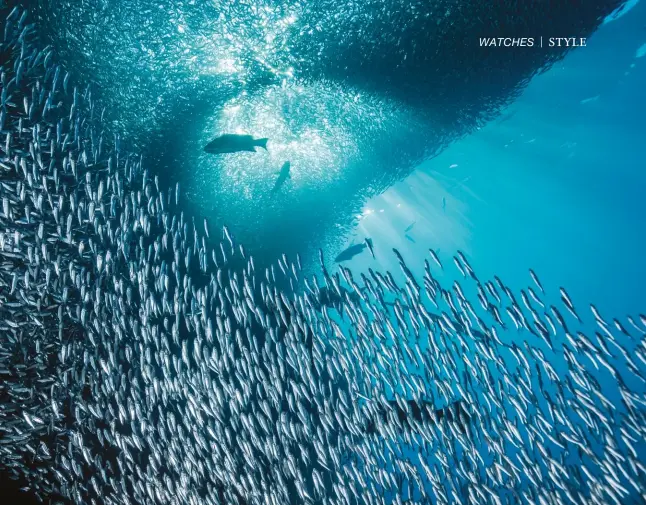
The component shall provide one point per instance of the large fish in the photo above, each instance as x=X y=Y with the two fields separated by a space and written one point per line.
x=420 y=412
x=283 y=176
x=234 y=143
x=350 y=252
x=141 y=363
x=354 y=87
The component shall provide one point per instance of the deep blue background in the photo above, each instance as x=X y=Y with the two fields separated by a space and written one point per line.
x=556 y=184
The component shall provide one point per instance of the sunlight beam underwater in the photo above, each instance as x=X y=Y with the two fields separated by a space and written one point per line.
x=139 y=366
x=357 y=94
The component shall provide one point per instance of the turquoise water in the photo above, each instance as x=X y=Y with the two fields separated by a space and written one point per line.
x=555 y=184
x=548 y=176
x=353 y=95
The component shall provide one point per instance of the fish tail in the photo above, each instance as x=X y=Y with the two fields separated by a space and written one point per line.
x=261 y=143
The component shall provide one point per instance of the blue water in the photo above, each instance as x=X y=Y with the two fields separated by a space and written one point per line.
x=556 y=184
x=352 y=94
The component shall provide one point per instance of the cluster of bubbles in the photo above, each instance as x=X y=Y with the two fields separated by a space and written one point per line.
x=144 y=360
x=353 y=94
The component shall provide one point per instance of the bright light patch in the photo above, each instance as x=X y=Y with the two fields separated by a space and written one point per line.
x=226 y=66
x=230 y=110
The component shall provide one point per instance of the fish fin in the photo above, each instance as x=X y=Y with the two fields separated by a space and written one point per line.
x=261 y=143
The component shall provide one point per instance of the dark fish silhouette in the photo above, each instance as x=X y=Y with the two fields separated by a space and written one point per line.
x=234 y=143
x=283 y=175
x=422 y=412
x=327 y=297
x=140 y=363
x=371 y=248
x=350 y=252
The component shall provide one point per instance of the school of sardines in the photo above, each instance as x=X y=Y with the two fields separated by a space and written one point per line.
x=139 y=364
